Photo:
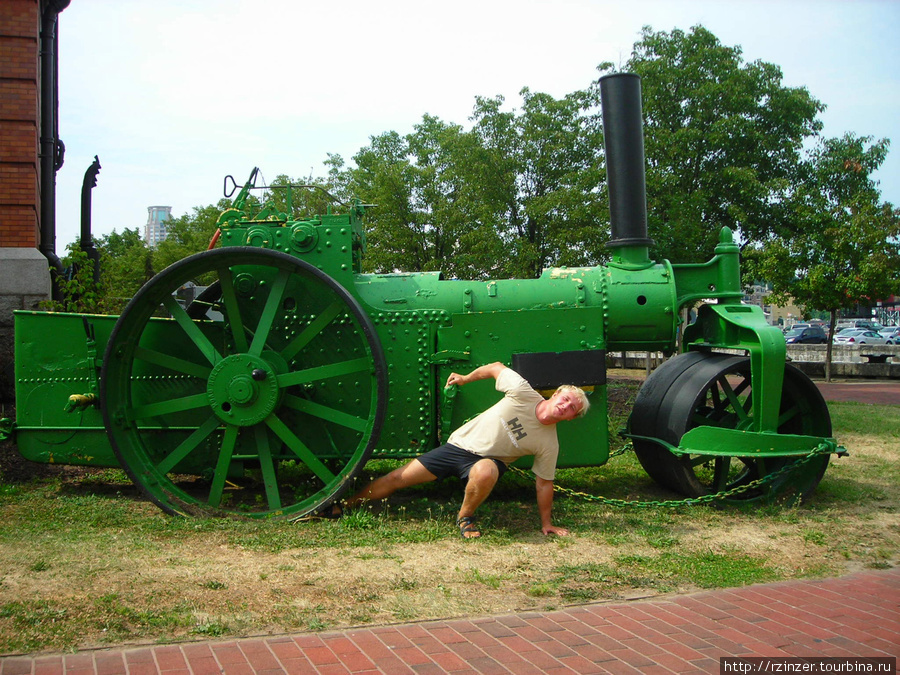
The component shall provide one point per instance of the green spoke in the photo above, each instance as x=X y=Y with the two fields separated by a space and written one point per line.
x=232 y=310
x=223 y=464
x=312 y=330
x=172 y=362
x=270 y=311
x=720 y=474
x=699 y=460
x=188 y=445
x=266 y=410
x=326 y=413
x=174 y=405
x=324 y=372
x=193 y=332
x=299 y=448
x=699 y=420
x=734 y=401
x=270 y=481
x=788 y=415
x=748 y=404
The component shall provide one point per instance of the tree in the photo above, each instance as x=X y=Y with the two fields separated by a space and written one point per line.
x=723 y=140
x=385 y=178
x=188 y=234
x=848 y=248
x=79 y=292
x=544 y=178
x=302 y=198
x=519 y=192
x=126 y=265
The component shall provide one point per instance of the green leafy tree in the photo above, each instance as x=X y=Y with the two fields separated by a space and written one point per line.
x=848 y=248
x=384 y=177
x=544 y=171
x=78 y=290
x=723 y=140
x=519 y=192
x=188 y=234
x=307 y=197
x=428 y=214
x=126 y=265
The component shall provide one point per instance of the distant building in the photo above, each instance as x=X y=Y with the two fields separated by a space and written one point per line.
x=155 y=230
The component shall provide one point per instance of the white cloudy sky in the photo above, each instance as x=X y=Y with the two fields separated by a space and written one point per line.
x=175 y=94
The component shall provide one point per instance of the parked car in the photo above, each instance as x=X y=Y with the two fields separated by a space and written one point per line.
x=859 y=323
x=806 y=335
x=891 y=334
x=859 y=336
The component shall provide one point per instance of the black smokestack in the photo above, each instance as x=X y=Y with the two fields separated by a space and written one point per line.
x=623 y=138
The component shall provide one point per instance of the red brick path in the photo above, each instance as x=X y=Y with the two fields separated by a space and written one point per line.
x=854 y=615
x=862 y=391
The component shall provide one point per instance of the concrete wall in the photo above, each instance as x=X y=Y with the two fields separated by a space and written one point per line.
x=869 y=361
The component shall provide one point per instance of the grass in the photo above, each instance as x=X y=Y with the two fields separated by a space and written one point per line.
x=85 y=561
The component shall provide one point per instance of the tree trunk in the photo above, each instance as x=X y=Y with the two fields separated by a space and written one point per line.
x=831 y=323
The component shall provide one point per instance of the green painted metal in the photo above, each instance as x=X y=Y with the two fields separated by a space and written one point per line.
x=694 y=430
x=719 y=442
x=56 y=358
x=268 y=394
x=272 y=411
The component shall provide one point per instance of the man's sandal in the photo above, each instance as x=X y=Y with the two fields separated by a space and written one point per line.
x=332 y=511
x=467 y=527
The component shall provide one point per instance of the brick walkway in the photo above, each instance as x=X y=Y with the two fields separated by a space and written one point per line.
x=854 y=615
x=862 y=391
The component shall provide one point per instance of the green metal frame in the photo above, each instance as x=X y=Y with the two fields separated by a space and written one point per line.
x=425 y=325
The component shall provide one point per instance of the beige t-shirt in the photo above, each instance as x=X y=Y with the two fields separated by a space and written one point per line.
x=510 y=429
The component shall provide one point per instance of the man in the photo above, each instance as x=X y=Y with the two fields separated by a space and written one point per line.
x=522 y=423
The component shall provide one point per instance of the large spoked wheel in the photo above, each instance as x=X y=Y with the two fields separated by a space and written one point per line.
x=265 y=403
x=697 y=389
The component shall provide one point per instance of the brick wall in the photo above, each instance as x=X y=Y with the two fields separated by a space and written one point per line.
x=20 y=25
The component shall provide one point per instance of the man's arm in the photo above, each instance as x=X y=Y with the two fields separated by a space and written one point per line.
x=480 y=373
x=545 y=506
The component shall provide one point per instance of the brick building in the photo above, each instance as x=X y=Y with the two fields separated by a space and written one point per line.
x=30 y=155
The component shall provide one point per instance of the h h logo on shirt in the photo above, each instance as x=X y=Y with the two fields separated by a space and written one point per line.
x=516 y=429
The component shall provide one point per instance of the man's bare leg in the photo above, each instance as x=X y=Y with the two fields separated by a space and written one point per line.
x=412 y=473
x=483 y=476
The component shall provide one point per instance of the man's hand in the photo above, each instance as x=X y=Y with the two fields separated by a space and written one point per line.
x=456 y=378
x=480 y=373
x=545 y=506
x=558 y=531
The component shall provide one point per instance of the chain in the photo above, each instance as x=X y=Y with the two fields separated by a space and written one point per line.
x=826 y=447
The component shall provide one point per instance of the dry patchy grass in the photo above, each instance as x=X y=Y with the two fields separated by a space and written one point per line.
x=85 y=562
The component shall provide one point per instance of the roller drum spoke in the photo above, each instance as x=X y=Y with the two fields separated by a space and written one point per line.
x=226 y=452
x=188 y=445
x=173 y=363
x=193 y=332
x=232 y=309
x=270 y=312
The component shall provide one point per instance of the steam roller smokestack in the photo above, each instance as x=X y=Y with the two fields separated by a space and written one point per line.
x=623 y=139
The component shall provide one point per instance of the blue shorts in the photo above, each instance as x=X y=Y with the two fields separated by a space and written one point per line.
x=448 y=460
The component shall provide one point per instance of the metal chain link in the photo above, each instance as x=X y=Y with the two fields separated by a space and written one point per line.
x=823 y=448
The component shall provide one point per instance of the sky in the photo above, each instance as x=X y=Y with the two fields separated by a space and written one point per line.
x=173 y=95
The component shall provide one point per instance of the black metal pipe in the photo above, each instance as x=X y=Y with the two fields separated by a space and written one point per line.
x=623 y=139
x=52 y=150
x=87 y=239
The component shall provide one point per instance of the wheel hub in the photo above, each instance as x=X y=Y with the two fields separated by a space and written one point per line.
x=242 y=390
